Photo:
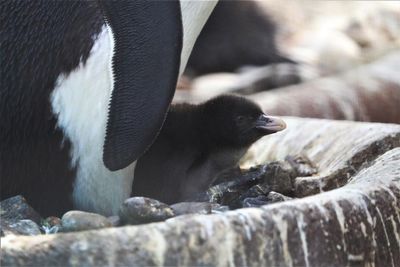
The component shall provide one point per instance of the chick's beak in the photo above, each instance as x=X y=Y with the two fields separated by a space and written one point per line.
x=270 y=124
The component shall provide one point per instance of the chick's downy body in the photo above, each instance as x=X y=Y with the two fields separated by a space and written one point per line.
x=198 y=142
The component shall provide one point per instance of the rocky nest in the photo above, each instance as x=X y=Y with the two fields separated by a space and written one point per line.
x=272 y=211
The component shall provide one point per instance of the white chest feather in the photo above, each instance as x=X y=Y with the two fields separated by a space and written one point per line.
x=80 y=100
x=194 y=16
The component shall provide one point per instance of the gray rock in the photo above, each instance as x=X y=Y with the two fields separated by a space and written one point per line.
x=193 y=207
x=279 y=177
x=21 y=227
x=227 y=192
x=139 y=210
x=16 y=208
x=338 y=148
x=75 y=220
x=12 y=211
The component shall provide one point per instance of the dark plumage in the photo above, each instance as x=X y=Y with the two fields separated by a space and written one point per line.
x=237 y=33
x=55 y=54
x=34 y=154
x=196 y=143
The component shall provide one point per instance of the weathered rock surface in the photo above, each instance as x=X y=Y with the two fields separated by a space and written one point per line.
x=76 y=220
x=274 y=197
x=338 y=148
x=355 y=224
x=250 y=187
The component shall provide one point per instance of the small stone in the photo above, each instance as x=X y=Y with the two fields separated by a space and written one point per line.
x=192 y=207
x=75 y=220
x=279 y=177
x=274 y=197
x=257 y=190
x=139 y=210
x=226 y=192
x=22 y=227
x=114 y=220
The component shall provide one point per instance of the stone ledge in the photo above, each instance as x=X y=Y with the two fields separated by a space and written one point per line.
x=356 y=224
x=338 y=148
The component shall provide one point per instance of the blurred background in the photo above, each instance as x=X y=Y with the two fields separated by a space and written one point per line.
x=320 y=59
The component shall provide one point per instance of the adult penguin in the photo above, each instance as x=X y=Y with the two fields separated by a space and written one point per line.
x=85 y=86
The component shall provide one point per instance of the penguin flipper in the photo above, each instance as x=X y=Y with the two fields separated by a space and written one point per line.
x=148 y=43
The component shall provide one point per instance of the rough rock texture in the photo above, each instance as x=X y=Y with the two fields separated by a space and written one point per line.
x=17 y=217
x=338 y=148
x=355 y=224
x=250 y=187
x=16 y=208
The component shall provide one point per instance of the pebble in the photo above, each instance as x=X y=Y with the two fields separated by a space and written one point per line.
x=139 y=210
x=279 y=177
x=274 y=197
x=75 y=220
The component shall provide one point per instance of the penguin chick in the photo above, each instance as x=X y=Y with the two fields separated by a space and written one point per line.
x=198 y=142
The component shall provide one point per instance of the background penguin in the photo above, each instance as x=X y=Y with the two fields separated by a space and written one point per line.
x=196 y=143
x=85 y=86
x=238 y=33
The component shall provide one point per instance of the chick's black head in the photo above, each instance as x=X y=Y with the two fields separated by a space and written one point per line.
x=236 y=121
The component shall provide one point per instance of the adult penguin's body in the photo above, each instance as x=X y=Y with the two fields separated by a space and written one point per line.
x=85 y=89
